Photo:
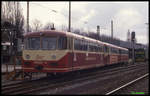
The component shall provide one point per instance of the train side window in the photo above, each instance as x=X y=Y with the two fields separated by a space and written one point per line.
x=81 y=45
x=93 y=47
x=76 y=44
x=119 y=51
x=84 y=45
x=70 y=45
x=122 y=52
x=90 y=47
x=97 y=47
x=112 y=50
x=101 y=48
x=106 y=49
x=62 y=43
x=126 y=52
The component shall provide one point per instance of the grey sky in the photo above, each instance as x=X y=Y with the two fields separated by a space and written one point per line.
x=126 y=15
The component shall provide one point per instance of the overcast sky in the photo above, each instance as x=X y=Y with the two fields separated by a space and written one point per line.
x=125 y=15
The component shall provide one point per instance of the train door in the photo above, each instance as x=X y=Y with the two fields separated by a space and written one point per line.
x=70 y=55
x=106 y=55
x=119 y=56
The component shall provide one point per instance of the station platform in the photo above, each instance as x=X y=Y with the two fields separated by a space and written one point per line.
x=10 y=68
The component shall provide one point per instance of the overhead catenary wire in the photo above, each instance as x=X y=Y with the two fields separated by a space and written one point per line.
x=56 y=11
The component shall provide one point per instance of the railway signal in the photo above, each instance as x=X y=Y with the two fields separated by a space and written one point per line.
x=133 y=36
x=98 y=32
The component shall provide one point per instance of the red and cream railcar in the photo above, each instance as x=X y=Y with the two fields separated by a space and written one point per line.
x=115 y=54
x=55 y=52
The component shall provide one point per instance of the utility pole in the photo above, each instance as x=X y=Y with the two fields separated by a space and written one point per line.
x=133 y=42
x=148 y=39
x=69 y=26
x=111 y=28
x=27 y=16
x=16 y=33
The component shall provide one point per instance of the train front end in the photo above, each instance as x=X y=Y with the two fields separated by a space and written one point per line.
x=45 y=52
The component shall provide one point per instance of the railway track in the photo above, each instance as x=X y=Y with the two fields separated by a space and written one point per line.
x=34 y=80
x=126 y=85
x=35 y=86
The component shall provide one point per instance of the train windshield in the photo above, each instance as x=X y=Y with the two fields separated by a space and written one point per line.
x=33 y=43
x=45 y=43
x=49 y=43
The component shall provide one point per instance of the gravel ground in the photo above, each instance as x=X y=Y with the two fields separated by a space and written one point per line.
x=140 y=87
x=34 y=76
x=100 y=85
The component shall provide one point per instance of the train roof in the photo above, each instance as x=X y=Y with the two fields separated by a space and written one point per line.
x=83 y=37
x=62 y=33
x=45 y=33
x=111 y=45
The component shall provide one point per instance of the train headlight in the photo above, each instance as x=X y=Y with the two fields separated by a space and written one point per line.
x=28 y=56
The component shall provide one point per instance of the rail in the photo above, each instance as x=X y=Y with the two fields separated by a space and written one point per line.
x=123 y=86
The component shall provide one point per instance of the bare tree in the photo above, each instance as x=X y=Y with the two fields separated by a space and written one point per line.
x=12 y=21
x=12 y=13
x=37 y=25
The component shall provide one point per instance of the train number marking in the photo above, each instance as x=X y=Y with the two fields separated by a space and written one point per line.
x=39 y=57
